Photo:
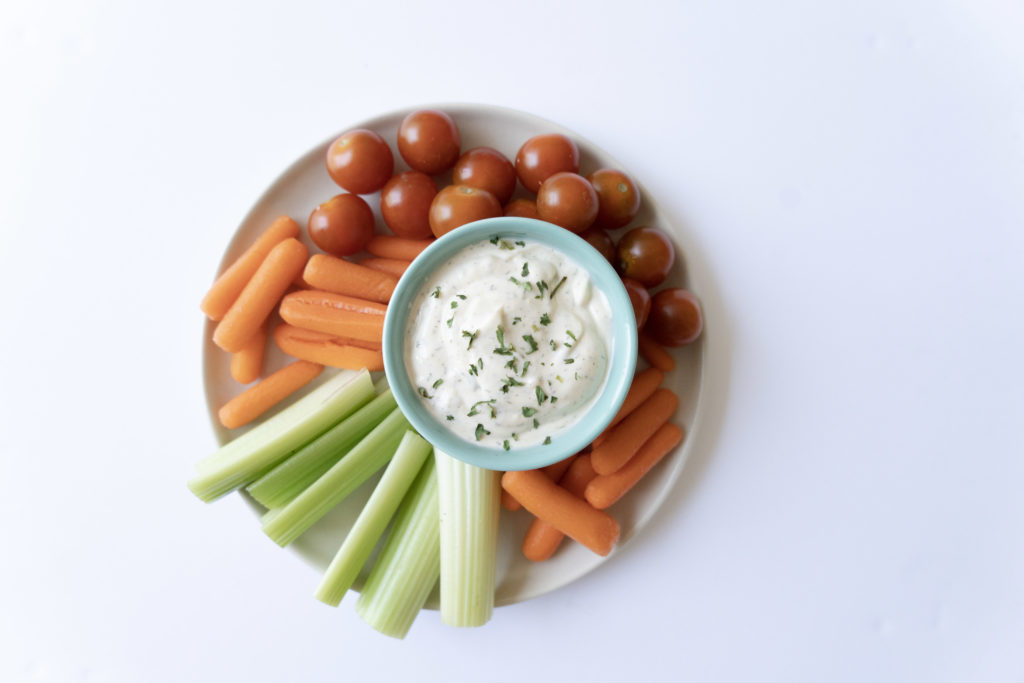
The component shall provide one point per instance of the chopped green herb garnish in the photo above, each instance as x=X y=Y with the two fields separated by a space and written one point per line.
x=489 y=403
x=480 y=362
x=502 y=350
x=481 y=432
x=512 y=365
x=438 y=383
x=505 y=445
x=506 y=245
x=528 y=411
x=526 y=270
x=545 y=320
x=560 y=283
x=541 y=396
x=554 y=399
x=509 y=382
x=471 y=336
x=541 y=286
x=494 y=240
x=436 y=293
x=569 y=361
x=577 y=375
x=515 y=437
x=516 y=320
x=536 y=423
x=423 y=392
x=547 y=440
x=526 y=366
x=461 y=296
x=554 y=344
x=472 y=369
x=571 y=336
x=528 y=338
x=455 y=304
x=449 y=417
x=450 y=320
x=521 y=243
x=525 y=285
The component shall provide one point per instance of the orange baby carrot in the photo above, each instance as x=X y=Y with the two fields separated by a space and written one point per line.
x=344 y=277
x=247 y=363
x=261 y=294
x=258 y=398
x=327 y=350
x=608 y=488
x=542 y=539
x=573 y=516
x=389 y=246
x=644 y=384
x=630 y=434
x=553 y=472
x=336 y=314
x=655 y=353
x=232 y=281
x=395 y=267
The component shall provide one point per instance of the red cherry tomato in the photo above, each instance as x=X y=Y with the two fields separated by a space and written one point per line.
x=342 y=225
x=569 y=200
x=429 y=141
x=646 y=254
x=360 y=161
x=405 y=204
x=640 y=298
x=675 y=318
x=457 y=205
x=542 y=156
x=601 y=241
x=487 y=169
x=618 y=200
x=527 y=208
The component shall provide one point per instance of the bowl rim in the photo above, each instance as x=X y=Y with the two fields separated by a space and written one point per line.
x=622 y=349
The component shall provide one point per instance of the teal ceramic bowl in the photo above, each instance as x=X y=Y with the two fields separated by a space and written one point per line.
x=622 y=344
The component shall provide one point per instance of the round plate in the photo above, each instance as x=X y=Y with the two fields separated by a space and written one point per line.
x=304 y=185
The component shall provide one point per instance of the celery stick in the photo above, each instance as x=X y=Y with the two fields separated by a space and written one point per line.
x=286 y=524
x=409 y=564
x=381 y=385
x=469 y=498
x=373 y=519
x=289 y=478
x=242 y=460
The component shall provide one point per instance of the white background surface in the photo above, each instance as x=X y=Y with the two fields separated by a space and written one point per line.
x=851 y=183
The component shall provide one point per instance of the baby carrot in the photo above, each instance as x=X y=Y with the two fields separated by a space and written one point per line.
x=260 y=295
x=389 y=246
x=542 y=539
x=608 y=488
x=336 y=314
x=258 y=398
x=247 y=363
x=572 y=516
x=391 y=266
x=553 y=472
x=655 y=353
x=644 y=384
x=232 y=281
x=337 y=352
x=630 y=434
x=344 y=277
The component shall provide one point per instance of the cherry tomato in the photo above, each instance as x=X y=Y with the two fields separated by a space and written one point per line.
x=360 y=161
x=640 y=298
x=618 y=200
x=600 y=240
x=405 y=204
x=429 y=141
x=542 y=156
x=675 y=318
x=569 y=200
x=487 y=169
x=457 y=205
x=342 y=225
x=527 y=208
x=645 y=254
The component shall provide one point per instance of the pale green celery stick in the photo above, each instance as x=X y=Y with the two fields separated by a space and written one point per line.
x=289 y=478
x=409 y=564
x=242 y=460
x=373 y=519
x=469 y=499
x=381 y=385
x=369 y=455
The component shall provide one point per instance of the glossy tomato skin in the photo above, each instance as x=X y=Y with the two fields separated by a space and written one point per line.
x=527 y=208
x=457 y=205
x=405 y=204
x=569 y=200
x=676 y=318
x=342 y=225
x=645 y=254
x=360 y=161
x=618 y=200
x=542 y=156
x=640 y=298
x=601 y=241
x=487 y=169
x=429 y=141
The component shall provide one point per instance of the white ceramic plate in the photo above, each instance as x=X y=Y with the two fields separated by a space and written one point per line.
x=304 y=185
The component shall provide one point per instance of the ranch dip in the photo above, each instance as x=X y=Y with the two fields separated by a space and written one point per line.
x=506 y=343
